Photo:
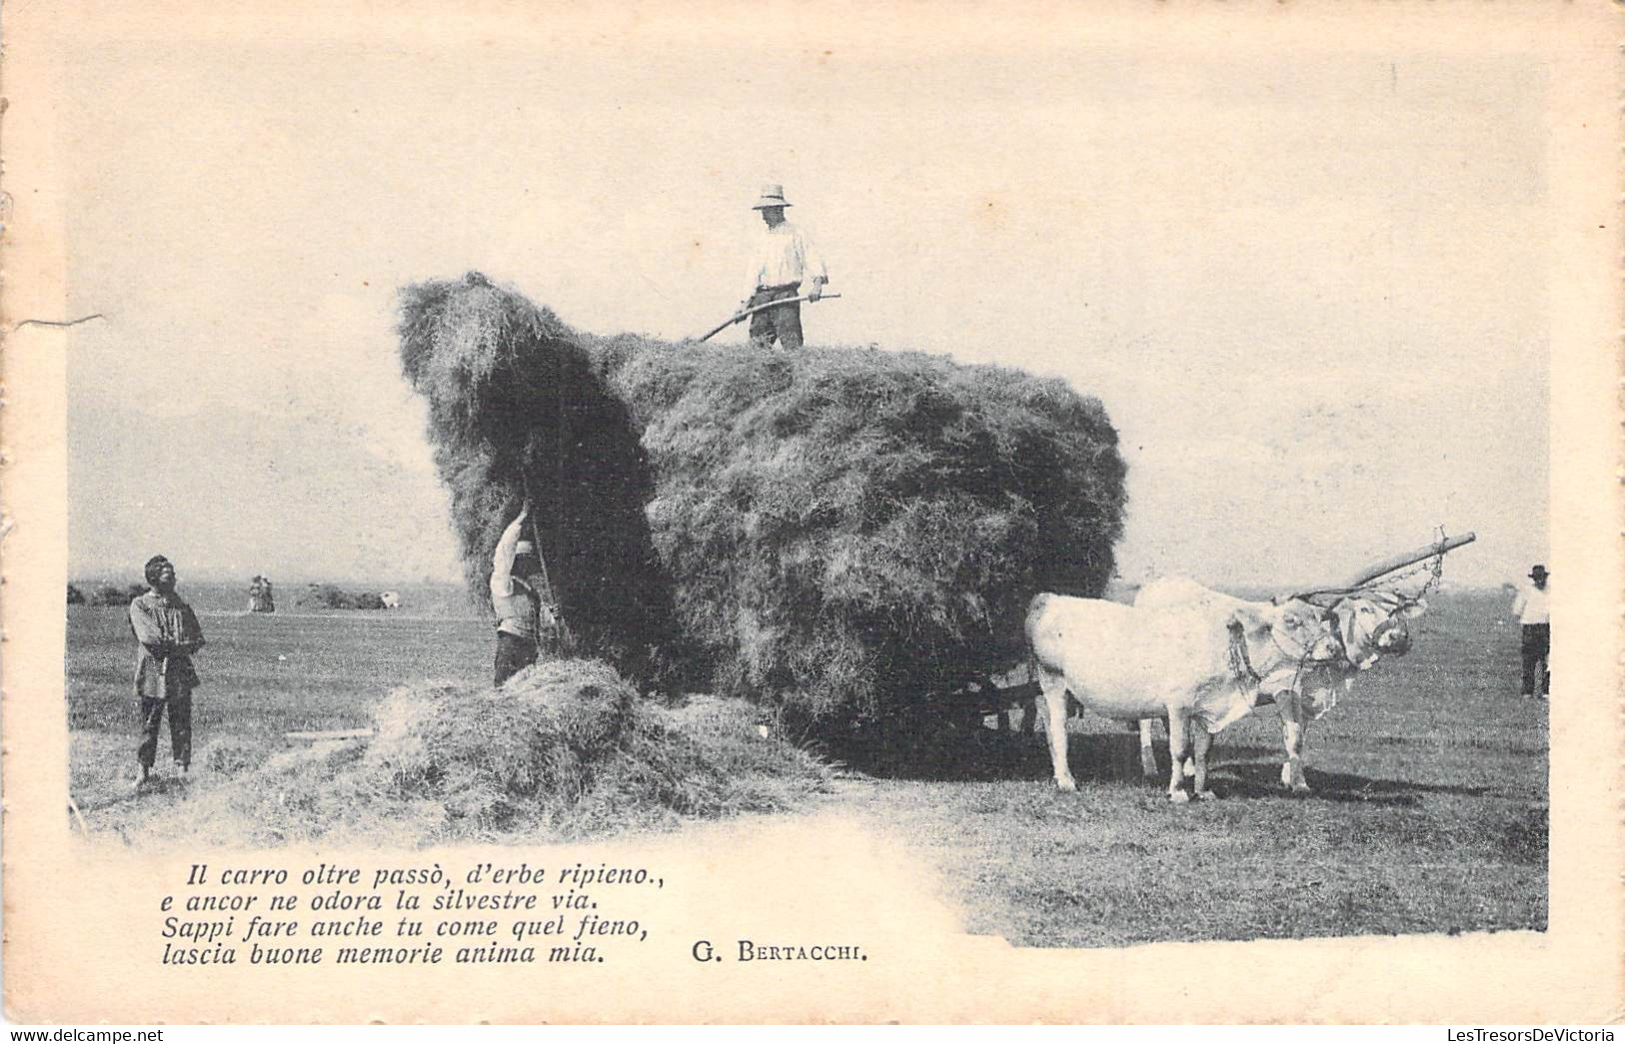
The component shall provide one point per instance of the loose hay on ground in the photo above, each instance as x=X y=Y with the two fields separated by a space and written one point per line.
x=228 y=758
x=564 y=750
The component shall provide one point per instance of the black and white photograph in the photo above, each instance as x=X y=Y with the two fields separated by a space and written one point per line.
x=875 y=509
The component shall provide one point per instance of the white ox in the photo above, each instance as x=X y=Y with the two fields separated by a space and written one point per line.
x=1182 y=662
x=1368 y=624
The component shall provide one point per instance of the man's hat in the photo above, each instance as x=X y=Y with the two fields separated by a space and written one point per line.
x=772 y=196
x=1538 y=573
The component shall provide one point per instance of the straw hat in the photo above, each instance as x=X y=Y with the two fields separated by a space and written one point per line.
x=772 y=196
x=524 y=547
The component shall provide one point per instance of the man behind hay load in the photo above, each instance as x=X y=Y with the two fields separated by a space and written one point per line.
x=517 y=597
x=783 y=265
x=167 y=634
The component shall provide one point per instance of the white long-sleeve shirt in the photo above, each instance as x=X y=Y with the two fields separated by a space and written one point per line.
x=512 y=599
x=783 y=255
x=1530 y=606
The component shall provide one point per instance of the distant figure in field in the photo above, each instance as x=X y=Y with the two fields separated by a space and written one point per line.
x=783 y=265
x=167 y=634
x=517 y=596
x=391 y=599
x=1530 y=607
x=260 y=597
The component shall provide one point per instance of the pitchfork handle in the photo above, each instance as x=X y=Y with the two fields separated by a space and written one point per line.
x=748 y=312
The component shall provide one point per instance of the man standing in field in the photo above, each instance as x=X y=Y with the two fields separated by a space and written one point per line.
x=260 y=599
x=1530 y=607
x=517 y=597
x=783 y=265
x=167 y=634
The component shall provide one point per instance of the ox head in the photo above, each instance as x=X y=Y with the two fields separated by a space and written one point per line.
x=1280 y=639
x=1373 y=624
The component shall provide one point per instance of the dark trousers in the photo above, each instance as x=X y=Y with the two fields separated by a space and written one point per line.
x=180 y=728
x=1537 y=671
x=783 y=323
x=514 y=654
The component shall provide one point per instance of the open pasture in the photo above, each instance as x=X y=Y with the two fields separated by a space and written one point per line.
x=1429 y=812
x=263 y=675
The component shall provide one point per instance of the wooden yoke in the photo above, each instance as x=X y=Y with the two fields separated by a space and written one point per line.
x=1391 y=564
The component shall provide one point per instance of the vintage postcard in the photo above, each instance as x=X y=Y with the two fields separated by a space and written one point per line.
x=968 y=513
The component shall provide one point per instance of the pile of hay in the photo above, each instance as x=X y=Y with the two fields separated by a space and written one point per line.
x=515 y=408
x=835 y=532
x=565 y=750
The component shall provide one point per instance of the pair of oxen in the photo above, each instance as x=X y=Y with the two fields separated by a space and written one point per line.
x=1202 y=660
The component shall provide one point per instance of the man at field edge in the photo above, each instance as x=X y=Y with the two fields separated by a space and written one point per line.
x=784 y=266
x=167 y=634
x=1531 y=609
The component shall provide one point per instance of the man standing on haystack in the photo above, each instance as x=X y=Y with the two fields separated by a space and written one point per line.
x=1530 y=607
x=167 y=634
x=518 y=595
x=783 y=265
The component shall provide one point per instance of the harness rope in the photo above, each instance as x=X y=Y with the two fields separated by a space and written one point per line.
x=1240 y=664
x=1389 y=583
x=1247 y=676
x=1389 y=586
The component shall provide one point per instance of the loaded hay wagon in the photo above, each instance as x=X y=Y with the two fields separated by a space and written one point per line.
x=813 y=538
x=838 y=537
x=835 y=534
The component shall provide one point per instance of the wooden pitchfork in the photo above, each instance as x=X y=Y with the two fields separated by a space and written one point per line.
x=748 y=312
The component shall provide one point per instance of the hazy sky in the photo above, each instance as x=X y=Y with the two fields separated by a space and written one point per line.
x=1310 y=288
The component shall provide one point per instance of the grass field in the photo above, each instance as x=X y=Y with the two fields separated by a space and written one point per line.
x=1429 y=812
x=263 y=675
